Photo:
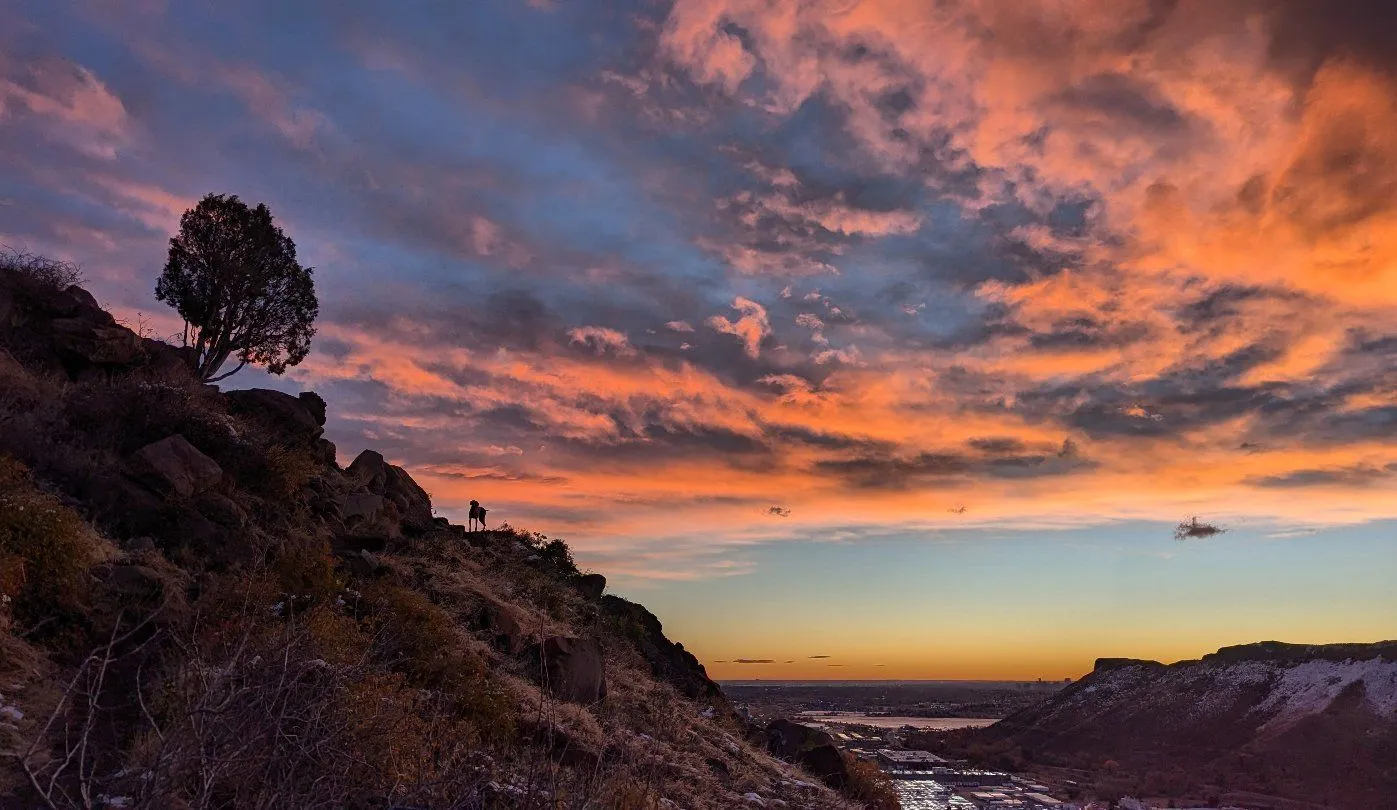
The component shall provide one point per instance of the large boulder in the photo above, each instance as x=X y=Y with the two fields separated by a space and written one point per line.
x=669 y=661
x=589 y=586
x=572 y=670
x=176 y=467
x=371 y=473
x=370 y=521
x=284 y=414
x=84 y=343
x=812 y=749
x=506 y=633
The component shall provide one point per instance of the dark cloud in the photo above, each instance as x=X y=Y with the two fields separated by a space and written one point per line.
x=1353 y=476
x=753 y=661
x=779 y=511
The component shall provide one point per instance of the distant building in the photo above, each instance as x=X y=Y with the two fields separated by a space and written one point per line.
x=919 y=760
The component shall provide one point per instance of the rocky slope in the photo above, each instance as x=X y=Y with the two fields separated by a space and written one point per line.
x=200 y=608
x=1313 y=723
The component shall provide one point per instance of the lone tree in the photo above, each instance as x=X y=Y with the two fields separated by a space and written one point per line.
x=233 y=276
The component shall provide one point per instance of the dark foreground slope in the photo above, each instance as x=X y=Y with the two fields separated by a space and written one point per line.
x=1310 y=723
x=200 y=608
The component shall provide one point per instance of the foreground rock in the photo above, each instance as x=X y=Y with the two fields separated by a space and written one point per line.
x=572 y=669
x=177 y=467
x=412 y=503
x=669 y=661
x=811 y=748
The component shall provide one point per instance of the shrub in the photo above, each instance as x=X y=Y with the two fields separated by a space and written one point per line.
x=281 y=472
x=418 y=639
x=870 y=786
x=39 y=272
x=46 y=549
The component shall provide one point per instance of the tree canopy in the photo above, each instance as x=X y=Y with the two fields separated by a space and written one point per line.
x=233 y=276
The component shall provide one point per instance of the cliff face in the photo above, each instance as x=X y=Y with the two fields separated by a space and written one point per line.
x=1317 y=723
x=200 y=608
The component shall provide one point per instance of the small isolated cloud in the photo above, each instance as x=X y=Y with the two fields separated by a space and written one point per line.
x=679 y=326
x=751 y=327
x=809 y=320
x=819 y=656
x=601 y=340
x=1141 y=412
x=779 y=511
x=1195 y=529
x=753 y=661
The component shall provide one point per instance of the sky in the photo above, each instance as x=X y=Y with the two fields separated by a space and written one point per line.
x=855 y=338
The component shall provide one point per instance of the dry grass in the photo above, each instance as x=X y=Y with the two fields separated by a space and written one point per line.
x=46 y=552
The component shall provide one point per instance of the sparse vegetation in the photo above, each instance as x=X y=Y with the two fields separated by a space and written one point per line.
x=39 y=272
x=46 y=551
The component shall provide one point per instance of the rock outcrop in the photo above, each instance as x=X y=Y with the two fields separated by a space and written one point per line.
x=571 y=668
x=812 y=749
x=590 y=586
x=669 y=661
x=413 y=505
x=290 y=417
x=176 y=467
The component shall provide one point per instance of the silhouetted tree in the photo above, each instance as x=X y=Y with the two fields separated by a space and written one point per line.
x=233 y=276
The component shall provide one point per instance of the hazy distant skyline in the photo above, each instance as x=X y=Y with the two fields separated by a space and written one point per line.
x=896 y=331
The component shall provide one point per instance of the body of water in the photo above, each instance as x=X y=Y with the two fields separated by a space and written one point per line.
x=860 y=719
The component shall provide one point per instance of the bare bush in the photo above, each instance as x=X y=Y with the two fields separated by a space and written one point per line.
x=40 y=271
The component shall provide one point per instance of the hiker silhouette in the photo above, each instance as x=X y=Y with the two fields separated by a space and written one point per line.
x=476 y=518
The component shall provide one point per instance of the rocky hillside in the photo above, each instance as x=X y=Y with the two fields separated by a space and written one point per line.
x=200 y=608
x=1312 y=723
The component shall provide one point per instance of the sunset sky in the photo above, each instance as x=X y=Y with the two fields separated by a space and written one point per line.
x=855 y=338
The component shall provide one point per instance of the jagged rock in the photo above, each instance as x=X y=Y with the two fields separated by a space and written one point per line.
x=377 y=476
x=370 y=520
x=325 y=452
x=812 y=749
x=590 y=586
x=221 y=510
x=668 y=661
x=287 y=415
x=363 y=563
x=83 y=344
x=176 y=466
x=16 y=383
x=572 y=669
x=506 y=633
x=167 y=362
x=124 y=505
x=315 y=405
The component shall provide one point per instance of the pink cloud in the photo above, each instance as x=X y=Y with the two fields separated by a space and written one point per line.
x=751 y=328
